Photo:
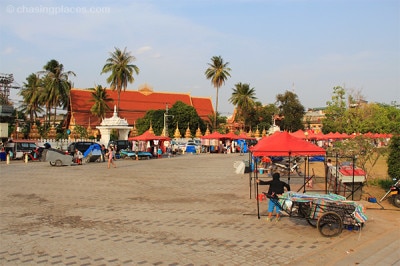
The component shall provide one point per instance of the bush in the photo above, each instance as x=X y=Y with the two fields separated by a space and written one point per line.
x=394 y=157
x=382 y=183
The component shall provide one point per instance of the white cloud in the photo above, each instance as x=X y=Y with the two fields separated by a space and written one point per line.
x=8 y=50
x=143 y=49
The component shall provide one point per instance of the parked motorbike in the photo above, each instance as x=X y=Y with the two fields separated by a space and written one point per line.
x=394 y=193
x=288 y=167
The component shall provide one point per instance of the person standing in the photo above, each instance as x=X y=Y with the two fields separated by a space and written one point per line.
x=78 y=156
x=276 y=189
x=103 y=152
x=110 y=156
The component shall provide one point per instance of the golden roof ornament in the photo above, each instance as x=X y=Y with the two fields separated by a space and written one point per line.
x=188 y=134
x=134 y=131
x=198 y=133
x=257 y=134
x=264 y=132
x=151 y=129
x=177 y=133
x=207 y=131
x=52 y=132
x=34 y=132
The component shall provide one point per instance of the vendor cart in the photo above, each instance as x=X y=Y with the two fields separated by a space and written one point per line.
x=58 y=158
x=329 y=213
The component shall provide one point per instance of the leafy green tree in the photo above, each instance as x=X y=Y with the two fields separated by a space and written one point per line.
x=185 y=115
x=393 y=160
x=335 y=110
x=292 y=110
x=155 y=118
x=243 y=97
x=391 y=118
x=119 y=64
x=181 y=113
x=81 y=131
x=364 y=118
x=100 y=99
x=261 y=116
x=30 y=93
x=363 y=149
x=218 y=73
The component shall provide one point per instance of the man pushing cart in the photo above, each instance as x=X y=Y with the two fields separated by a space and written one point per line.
x=329 y=213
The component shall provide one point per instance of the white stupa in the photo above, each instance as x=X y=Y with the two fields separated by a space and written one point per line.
x=113 y=123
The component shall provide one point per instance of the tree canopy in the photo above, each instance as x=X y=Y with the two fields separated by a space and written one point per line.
x=179 y=114
x=292 y=110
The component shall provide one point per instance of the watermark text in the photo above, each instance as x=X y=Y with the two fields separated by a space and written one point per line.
x=57 y=10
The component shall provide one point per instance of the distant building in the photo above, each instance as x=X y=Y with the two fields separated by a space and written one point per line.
x=133 y=105
x=313 y=118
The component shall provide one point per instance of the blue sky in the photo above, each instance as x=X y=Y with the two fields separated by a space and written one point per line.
x=305 y=46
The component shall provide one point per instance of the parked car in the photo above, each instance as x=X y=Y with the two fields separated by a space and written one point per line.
x=20 y=147
x=82 y=146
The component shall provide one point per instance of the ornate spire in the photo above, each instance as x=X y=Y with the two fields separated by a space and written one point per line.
x=188 y=134
x=177 y=133
x=207 y=131
x=198 y=133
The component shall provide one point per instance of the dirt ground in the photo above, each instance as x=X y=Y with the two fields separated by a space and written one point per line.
x=186 y=210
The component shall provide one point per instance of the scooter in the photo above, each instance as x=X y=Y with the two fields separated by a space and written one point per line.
x=285 y=168
x=394 y=193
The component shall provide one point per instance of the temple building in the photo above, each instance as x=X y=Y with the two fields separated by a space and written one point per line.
x=133 y=105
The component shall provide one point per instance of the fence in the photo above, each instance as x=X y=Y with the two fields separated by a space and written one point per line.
x=61 y=144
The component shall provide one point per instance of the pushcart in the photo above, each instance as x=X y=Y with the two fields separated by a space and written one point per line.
x=329 y=213
x=57 y=158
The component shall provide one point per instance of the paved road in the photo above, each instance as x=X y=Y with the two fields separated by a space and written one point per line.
x=186 y=210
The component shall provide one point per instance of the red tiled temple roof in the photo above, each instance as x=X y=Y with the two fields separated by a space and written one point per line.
x=133 y=105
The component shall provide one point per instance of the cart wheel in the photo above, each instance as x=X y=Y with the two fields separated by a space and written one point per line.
x=330 y=224
x=58 y=163
x=52 y=163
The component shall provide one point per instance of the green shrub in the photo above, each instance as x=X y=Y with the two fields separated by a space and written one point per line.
x=383 y=183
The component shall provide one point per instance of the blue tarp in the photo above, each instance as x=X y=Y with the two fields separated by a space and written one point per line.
x=243 y=145
x=190 y=148
x=94 y=149
x=317 y=159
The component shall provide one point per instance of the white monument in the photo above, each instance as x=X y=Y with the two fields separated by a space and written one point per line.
x=113 y=123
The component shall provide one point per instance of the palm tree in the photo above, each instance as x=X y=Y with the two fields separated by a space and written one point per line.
x=100 y=99
x=244 y=99
x=121 y=70
x=31 y=93
x=218 y=73
x=57 y=85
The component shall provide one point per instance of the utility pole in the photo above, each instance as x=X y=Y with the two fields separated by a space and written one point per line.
x=166 y=115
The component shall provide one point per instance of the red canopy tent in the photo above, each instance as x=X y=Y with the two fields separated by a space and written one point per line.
x=214 y=135
x=231 y=135
x=244 y=136
x=146 y=136
x=158 y=141
x=284 y=144
x=299 y=134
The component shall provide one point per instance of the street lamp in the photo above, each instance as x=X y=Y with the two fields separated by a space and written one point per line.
x=166 y=115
